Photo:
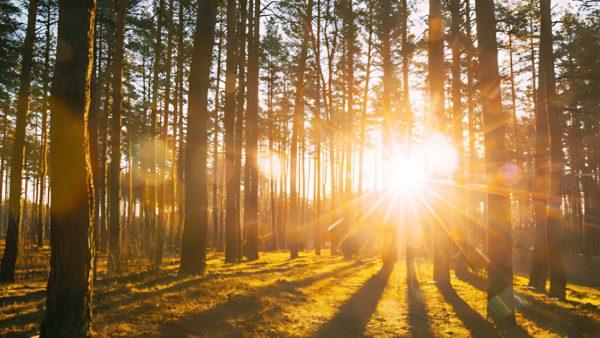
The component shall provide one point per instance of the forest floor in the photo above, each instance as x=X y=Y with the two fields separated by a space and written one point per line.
x=320 y=296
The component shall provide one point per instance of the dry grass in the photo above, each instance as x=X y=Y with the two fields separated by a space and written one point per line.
x=311 y=296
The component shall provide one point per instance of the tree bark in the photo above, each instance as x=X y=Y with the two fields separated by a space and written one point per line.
x=193 y=243
x=251 y=176
x=441 y=272
x=500 y=307
x=44 y=149
x=558 y=278
x=114 y=230
x=294 y=233
x=9 y=259
x=69 y=302
x=231 y=249
x=539 y=264
x=155 y=223
x=215 y=187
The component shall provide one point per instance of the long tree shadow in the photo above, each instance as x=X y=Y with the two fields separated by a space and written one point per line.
x=121 y=296
x=249 y=307
x=475 y=280
x=31 y=296
x=354 y=314
x=418 y=321
x=179 y=284
x=552 y=317
x=473 y=321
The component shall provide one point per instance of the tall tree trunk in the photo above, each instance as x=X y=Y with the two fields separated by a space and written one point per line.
x=457 y=126
x=114 y=231
x=9 y=259
x=558 y=278
x=406 y=52
x=473 y=197
x=215 y=187
x=500 y=306
x=156 y=224
x=69 y=301
x=44 y=149
x=387 y=66
x=294 y=233
x=350 y=246
x=193 y=243
x=231 y=249
x=539 y=264
x=436 y=107
x=318 y=222
x=251 y=176
x=239 y=122
x=409 y=235
x=163 y=214
x=178 y=156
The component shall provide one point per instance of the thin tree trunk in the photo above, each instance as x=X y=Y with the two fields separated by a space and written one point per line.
x=44 y=149
x=9 y=259
x=457 y=126
x=114 y=231
x=318 y=223
x=251 y=175
x=178 y=156
x=231 y=249
x=155 y=223
x=294 y=233
x=436 y=106
x=215 y=187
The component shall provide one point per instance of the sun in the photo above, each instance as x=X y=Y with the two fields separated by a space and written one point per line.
x=413 y=168
x=406 y=170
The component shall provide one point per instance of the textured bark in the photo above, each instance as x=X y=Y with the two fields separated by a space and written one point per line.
x=539 y=264
x=558 y=278
x=231 y=248
x=441 y=272
x=456 y=44
x=68 y=303
x=163 y=214
x=215 y=185
x=193 y=243
x=387 y=67
x=318 y=223
x=349 y=246
x=500 y=306
x=40 y=222
x=114 y=230
x=178 y=156
x=9 y=259
x=156 y=224
x=294 y=233
x=406 y=52
x=251 y=174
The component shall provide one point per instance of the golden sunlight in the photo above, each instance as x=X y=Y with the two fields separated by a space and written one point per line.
x=437 y=158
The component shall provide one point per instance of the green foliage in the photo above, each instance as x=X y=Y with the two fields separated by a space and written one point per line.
x=9 y=47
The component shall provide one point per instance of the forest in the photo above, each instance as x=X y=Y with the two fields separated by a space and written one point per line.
x=299 y=168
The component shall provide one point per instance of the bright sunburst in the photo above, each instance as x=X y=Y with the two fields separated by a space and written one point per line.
x=412 y=168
